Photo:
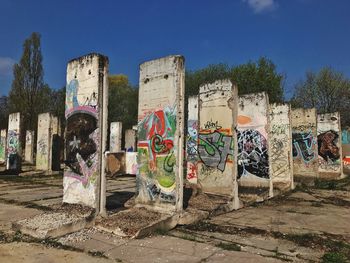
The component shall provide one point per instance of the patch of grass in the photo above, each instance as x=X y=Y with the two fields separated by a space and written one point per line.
x=229 y=246
x=334 y=257
x=161 y=232
x=328 y=185
x=316 y=204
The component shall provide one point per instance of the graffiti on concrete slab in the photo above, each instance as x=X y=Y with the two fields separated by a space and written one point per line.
x=13 y=142
x=192 y=149
x=304 y=146
x=2 y=146
x=215 y=148
x=328 y=150
x=156 y=156
x=82 y=136
x=345 y=137
x=253 y=157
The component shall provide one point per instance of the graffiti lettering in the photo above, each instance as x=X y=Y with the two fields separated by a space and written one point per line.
x=212 y=125
x=304 y=146
x=214 y=149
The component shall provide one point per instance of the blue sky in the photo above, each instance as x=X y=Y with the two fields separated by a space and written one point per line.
x=297 y=35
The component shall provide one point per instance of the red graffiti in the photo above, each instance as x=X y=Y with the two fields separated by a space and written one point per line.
x=191 y=171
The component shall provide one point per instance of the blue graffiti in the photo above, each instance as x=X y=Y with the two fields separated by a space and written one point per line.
x=304 y=145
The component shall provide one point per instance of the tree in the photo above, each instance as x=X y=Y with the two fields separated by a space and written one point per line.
x=209 y=74
x=29 y=95
x=250 y=78
x=259 y=76
x=123 y=101
x=327 y=91
x=3 y=112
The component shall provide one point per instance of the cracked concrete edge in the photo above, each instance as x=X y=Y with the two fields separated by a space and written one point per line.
x=56 y=232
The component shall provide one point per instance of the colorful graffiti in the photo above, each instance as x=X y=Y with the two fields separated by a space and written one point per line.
x=13 y=148
x=253 y=157
x=345 y=137
x=328 y=150
x=192 y=150
x=156 y=159
x=2 y=145
x=215 y=148
x=304 y=146
x=82 y=136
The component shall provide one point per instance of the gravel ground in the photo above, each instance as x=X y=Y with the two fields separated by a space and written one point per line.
x=130 y=221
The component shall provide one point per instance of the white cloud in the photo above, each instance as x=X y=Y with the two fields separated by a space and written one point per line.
x=6 y=65
x=260 y=6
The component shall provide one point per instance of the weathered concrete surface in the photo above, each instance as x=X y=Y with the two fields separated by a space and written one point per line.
x=160 y=138
x=115 y=163
x=54 y=224
x=192 y=157
x=157 y=249
x=115 y=137
x=130 y=140
x=262 y=233
x=29 y=147
x=281 y=148
x=86 y=130
x=291 y=227
x=131 y=162
x=217 y=168
x=13 y=147
x=329 y=143
x=37 y=253
x=305 y=153
x=44 y=142
x=254 y=163
x=2 y=146
x=10 y=213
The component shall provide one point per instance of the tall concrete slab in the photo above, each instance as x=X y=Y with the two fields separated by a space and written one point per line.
x=29 y=147
x=3 y=146
x=192 y=140
x=14 y=148
x=304 y=133
x=281 y=147
x=253 y=147
x=55 y=144
x=86 y=130
x=115 y=139
x=330 y=165
x=130 y=140
x=160 y=138
x=217 y=167
x=44 y=142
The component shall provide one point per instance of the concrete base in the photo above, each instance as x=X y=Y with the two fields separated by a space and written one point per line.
x=137 y=223
x=51 y=225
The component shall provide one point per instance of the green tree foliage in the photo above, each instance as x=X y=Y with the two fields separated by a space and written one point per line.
x=29 y=95
x=327 y=91
x=123 y=101
x=3 y=112
x=259 y=76
x=250 y=77
x=57 y=104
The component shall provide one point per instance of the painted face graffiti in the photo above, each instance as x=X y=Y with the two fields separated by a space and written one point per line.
x=327 y=146
x=304 y=145
x=214 y=149
x=253 y=155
